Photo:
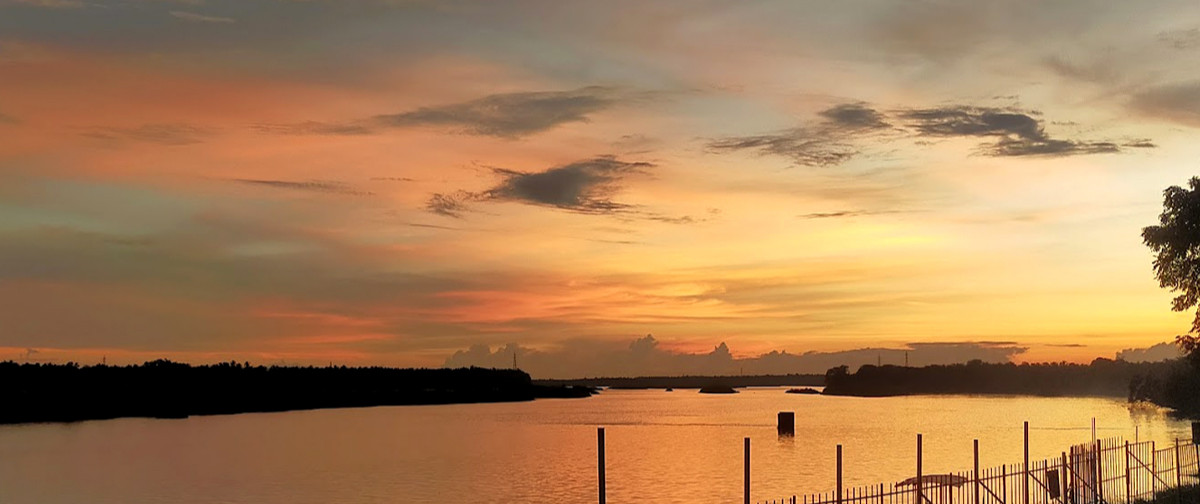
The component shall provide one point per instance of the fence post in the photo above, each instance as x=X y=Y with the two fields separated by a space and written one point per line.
x=839 y=474
x=1153 y=471
x=1026 y=467
x=920 y=483
x=1004 y=482
x=976 y=473
x=1178 y=474
x=747 y=500
x=600 y=460
x=1099 y=472
x=1066 y=481
x=1128 y=479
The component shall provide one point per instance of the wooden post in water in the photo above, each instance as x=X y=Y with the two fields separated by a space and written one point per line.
x=839 y=474
x=600 y=460
x=920 y=483
x=747 y=471
x=1026 y=468
x=976 y=501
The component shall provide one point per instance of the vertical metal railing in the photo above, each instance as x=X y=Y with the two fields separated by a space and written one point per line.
x=1104 y=471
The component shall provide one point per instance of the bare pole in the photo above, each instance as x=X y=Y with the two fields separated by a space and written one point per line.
x=976 y=501
x=1099 y=472
x=600 y=460
x=747 y=457
x=839 y=474
x=920 y=482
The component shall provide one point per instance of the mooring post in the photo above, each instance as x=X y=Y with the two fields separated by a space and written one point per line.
x=976 y=473
x=839 y=474
x=787 y=423
x=920 y=483
x=1026 y=468
x=747 y=460
x=1128 y=480
x=600 y=460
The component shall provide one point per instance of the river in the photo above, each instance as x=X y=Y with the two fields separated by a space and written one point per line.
x=673 y=447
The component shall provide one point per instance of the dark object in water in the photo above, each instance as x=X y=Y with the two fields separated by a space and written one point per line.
x=718 y=389
x=669 y=389
x=805 y=390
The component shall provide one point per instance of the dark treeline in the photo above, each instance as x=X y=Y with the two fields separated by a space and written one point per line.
x=1177 y=387
x=164 y=389
x=690 y=382
x=1103 y=377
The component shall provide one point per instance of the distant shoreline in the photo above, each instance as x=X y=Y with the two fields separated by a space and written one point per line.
x=691 y=382
x=1101 y=378
x=41 y=393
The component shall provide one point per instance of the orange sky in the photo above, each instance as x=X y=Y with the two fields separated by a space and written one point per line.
x=389 y=182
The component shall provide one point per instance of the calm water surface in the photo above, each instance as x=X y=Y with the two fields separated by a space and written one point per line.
x=676 y=447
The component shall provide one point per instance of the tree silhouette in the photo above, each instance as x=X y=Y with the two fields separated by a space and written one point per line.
x=1176 y=243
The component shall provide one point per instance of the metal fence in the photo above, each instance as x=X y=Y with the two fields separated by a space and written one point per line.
x=1104 y=471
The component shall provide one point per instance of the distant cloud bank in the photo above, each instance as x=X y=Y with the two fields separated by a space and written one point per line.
x=644 y=357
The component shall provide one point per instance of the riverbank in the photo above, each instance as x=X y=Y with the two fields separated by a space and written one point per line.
x=164 y=389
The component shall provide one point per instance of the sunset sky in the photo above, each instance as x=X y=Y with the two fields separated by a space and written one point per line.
x=389 y=181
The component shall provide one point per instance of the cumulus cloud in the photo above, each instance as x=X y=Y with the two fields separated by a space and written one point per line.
x=1156 y=353
x=504 y=115
x=1018 y=133
x=645 y=357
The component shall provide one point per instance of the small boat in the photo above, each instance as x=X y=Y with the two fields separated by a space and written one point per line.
x=669 y=389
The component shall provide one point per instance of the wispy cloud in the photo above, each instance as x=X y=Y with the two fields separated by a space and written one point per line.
x=51 y=4
x=322 y=186
x=1018 y=133
x=845 y=213
x=585 y=186
x=165 y=134
x=1178 y=102
x=1181 y=39
x=201 y=18
x=825 y=144
x=505 y=115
